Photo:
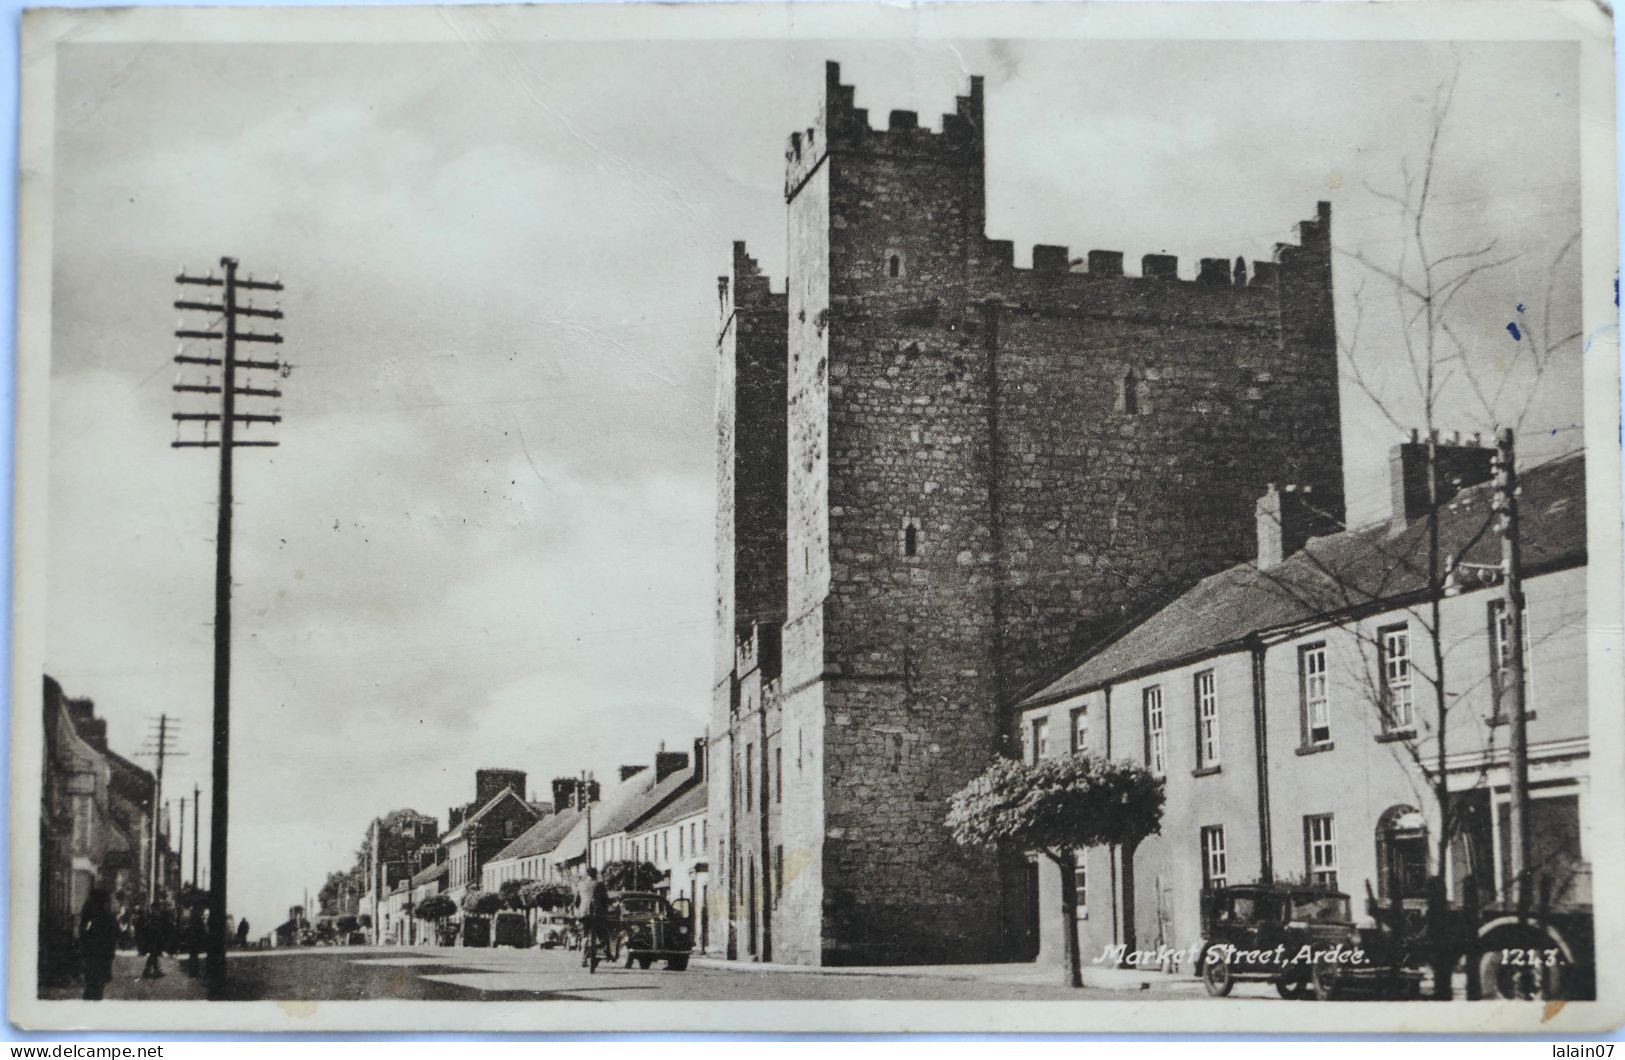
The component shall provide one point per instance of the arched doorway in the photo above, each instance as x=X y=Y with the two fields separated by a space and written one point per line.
x=1402 y=854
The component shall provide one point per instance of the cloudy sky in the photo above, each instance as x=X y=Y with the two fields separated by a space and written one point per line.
x=486 y=537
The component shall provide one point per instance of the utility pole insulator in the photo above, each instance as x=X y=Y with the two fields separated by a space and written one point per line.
x=1511 y=686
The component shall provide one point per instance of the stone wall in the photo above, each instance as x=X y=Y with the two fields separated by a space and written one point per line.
x=988 y=468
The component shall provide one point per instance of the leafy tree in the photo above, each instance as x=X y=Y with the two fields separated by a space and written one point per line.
x=338 y=893
x=512 y=893
x=436 y=907
x=630 y=875
x=477 y=902
x=547 y=896
x=1056 y=806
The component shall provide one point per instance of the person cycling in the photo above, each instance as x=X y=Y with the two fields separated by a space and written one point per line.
x=594 y=905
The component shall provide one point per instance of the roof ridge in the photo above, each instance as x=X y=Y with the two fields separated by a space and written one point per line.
x=1330 y=576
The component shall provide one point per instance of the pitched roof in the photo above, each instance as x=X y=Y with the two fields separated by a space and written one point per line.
x=638 y=805
x=543 y=837
x=472 y=818
x=430 y=874
x=688 y=803
x=1341 y=573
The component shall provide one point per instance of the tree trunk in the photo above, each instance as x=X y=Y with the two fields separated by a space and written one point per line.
x=1068 y=862
x=1129 y=941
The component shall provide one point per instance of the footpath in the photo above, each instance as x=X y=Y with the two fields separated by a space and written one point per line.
x=127 y=984
x=1021 y=974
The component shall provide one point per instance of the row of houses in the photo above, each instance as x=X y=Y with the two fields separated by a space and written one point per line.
x=1288 y=702
x=1298 y=714
x=97 y=829
x=652 y=816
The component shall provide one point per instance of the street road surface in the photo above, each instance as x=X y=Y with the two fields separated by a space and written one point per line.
x=336 y=973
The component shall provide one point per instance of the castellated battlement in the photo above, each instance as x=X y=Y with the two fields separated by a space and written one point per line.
x=842 y=125
x=1223 y=289
x=1314 y=242
x=745 y=287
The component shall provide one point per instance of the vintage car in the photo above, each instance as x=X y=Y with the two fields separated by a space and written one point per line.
x=508 y=928
x=476 y=931
x=1300 y=937
x=647 y=928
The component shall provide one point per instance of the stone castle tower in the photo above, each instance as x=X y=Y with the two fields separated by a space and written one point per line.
x=940 y=477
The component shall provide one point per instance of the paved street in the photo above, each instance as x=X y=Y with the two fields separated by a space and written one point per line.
x=347 y=974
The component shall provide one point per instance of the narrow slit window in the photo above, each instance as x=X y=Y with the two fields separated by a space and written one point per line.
x=1128 y=393
x=909 y=538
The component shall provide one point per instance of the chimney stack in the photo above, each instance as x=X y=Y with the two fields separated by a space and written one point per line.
x=489 y=783
x=1287 y=519
x=564 y=793
x=669 y=762
x=1458 y=467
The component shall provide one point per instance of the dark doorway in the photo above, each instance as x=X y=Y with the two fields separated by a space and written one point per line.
x=1019 y=908
x=750 y=904
x=1402 y=854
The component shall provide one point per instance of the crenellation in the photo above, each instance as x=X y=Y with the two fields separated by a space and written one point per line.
x=1159 y=267
x=843 y=126
x=1048 y=258
x=1215 y=271
x=1105 y=263
x=749 y=285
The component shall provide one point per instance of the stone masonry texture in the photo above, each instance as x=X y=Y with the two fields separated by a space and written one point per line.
x=940 y=478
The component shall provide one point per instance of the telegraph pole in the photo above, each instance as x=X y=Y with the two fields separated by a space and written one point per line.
x=160 y=747
x=196 y=827
x=1512 y=676
x=584 y=793
x=227 y=311
x=180 y=847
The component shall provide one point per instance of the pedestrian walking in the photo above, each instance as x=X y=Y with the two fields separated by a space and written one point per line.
x=196 y=934
x=154 y=937
x=98 y=940
x=242 y=933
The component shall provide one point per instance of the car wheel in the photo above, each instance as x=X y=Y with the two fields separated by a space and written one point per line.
x=1327 y=981
x=644 y=962
x=677 y=964
x=1217 y=974
x=1293 y=988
